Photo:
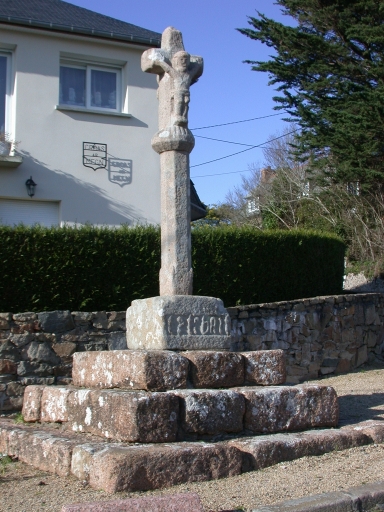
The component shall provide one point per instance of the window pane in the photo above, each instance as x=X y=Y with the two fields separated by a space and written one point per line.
x=3 y=91
x=72 y=86
x=103 y=89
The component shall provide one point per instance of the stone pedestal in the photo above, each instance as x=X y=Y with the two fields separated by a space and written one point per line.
x=178 y=322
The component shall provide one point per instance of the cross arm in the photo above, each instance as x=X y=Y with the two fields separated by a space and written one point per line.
x=153 y=61
x=196 y=68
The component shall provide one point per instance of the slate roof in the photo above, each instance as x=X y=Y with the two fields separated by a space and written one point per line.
x=61 y=16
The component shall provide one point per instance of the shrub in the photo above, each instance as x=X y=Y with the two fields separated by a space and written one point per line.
x=248 y=266
x=92 y=268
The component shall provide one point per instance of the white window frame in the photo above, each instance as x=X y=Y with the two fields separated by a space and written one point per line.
x=88 y=70
x=8 y=92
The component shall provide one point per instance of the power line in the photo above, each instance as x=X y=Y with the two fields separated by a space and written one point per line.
x=244 y=150
x=227 y=141
x=236 y=122
x=220 y=173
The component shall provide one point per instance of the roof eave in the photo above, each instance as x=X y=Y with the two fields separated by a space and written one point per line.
x=153 y=42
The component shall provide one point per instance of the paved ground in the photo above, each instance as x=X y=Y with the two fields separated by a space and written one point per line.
x=361 y=397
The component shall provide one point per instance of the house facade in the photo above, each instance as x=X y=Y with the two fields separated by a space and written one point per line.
x=74 y=99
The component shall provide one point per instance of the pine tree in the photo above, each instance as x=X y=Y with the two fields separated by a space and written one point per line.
x=329 y=70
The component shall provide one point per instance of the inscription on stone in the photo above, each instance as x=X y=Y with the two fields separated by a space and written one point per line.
x=183 y=325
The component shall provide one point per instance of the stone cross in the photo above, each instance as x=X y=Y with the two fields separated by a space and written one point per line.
x=177 y=70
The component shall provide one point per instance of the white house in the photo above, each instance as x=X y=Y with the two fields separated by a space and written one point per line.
x=72 y=94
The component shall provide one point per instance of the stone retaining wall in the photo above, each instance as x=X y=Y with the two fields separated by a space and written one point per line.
x=320 y=336
x=37 y=348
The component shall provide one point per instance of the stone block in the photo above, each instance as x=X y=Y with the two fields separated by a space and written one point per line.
x=215 y=369
x=370 y=339
x=362 y=356
x=5 y=319
x=64 y=350
x=40 y=352
x=47 y=452
x=179 y=322
x=15 y=389
x=20 y=340
x=117 y=340
x=54 y=404
x=327 y=502
x=285 y=408
x=82 y=318
x=82 y=456
x=263 y=451
x=187 y=502
x=326 y=370
x=132 y=416
x=44 y=450
x=343 y=366
x=211 y=411
x=32 y=403
x=141 y=468
x=8 y=366
x=155 y=370
x=372 y=429
x=329 y=362
x=64 y=381
x=7 y=377
x=56 y=321
x=370 y=314
x=43 y=381
x=35 y=368
x=265 y=367
x=25 y=317
x=10 y=403
x=368 y=495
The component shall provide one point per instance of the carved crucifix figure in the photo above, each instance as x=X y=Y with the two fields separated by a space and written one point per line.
x=177 y=70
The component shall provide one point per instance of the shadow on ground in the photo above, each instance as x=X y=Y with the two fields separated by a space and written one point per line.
x=355 y=408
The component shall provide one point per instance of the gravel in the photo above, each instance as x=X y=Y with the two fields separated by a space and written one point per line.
x=24 y=489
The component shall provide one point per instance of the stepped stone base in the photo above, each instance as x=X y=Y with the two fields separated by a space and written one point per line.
x=155 y=417
x=161 y=370
x=155 y=370
x=120 y=467
x=178 y=322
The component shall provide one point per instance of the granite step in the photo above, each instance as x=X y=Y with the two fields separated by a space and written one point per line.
x=162 y=370
x=117 y=467
x=160 y=417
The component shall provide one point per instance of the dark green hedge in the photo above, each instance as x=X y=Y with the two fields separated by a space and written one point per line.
x=93 y=269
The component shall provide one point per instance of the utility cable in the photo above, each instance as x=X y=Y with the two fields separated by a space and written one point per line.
x=220 y=140
x=244 y=150
x=221 y=173
x=236 y=122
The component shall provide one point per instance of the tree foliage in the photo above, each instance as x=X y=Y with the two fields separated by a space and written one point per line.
x=329 y=71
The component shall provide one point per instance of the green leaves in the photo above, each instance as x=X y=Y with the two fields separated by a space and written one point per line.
x=329 y=71
x=45 y=269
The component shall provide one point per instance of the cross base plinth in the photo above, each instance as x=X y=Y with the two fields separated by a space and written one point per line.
x=178 y=322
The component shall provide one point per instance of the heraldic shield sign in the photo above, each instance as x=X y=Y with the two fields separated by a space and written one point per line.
x=120 y=171
x=94 y=155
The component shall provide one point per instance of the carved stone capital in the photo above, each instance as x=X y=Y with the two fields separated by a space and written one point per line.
x=174 y=138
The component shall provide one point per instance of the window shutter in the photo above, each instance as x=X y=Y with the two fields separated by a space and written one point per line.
x=13 y=211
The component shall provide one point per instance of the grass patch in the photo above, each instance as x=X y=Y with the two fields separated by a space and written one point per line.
x=4 y=462
x=19 y=418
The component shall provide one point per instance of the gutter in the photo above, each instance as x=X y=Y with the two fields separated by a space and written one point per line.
x=154 y=42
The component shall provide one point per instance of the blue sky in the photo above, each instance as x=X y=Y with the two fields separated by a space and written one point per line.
x=228 y=90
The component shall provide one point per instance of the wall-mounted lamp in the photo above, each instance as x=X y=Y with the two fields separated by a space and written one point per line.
x=30 y=184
